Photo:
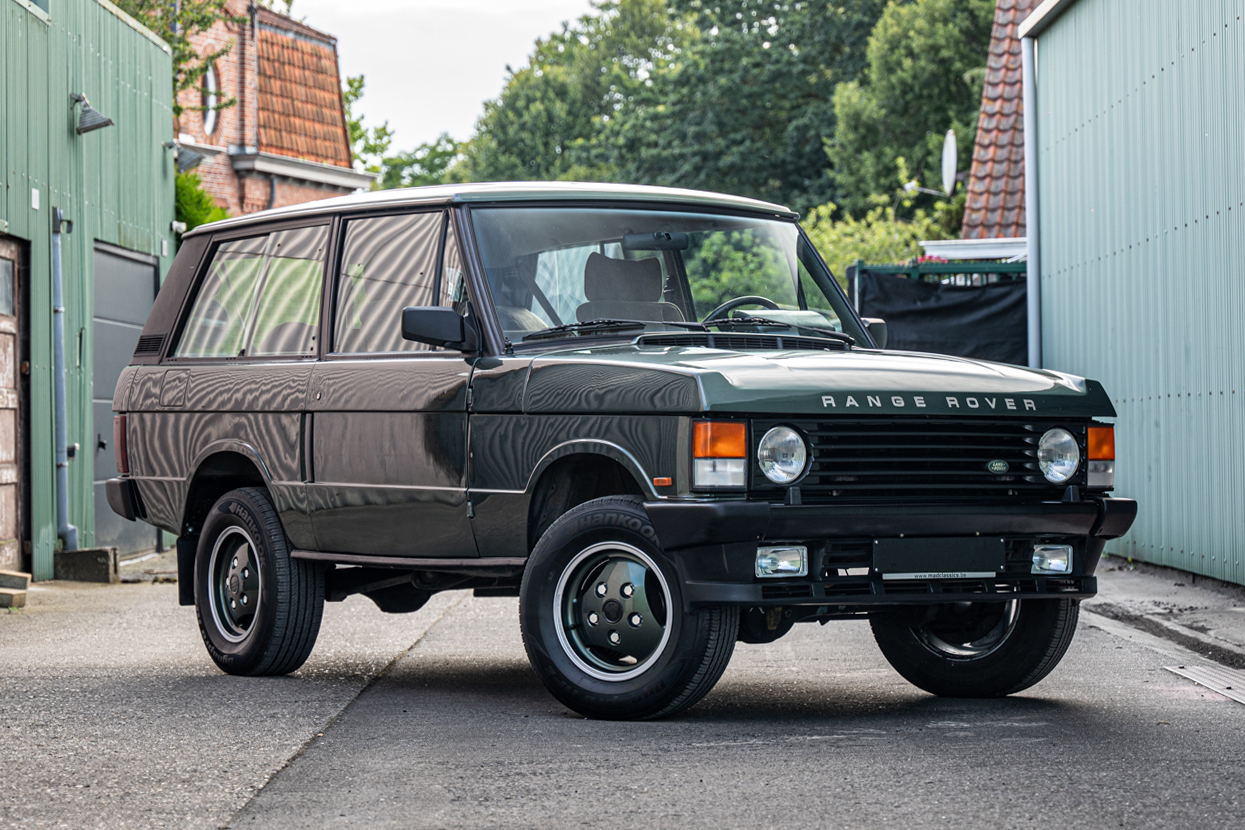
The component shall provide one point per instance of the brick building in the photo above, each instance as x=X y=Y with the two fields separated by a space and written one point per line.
x=285 y=140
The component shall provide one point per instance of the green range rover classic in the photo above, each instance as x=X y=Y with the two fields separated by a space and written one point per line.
x=650 y=414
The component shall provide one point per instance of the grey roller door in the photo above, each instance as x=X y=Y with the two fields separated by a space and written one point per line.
x=125 y=288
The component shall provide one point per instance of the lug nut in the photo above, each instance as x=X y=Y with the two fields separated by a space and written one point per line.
x=628 y=590
x=244 y=599
x=614 y=638
x=601 y=589
x=233 y=604
x=635 y=620
x=593 y=619
x=234 y=564
x=246 y=573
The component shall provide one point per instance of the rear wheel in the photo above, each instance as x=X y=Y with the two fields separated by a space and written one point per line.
x=603 y=621
x=259 y=610
x=977 y=649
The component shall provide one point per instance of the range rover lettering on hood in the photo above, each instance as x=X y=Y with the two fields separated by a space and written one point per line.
x=938 y=403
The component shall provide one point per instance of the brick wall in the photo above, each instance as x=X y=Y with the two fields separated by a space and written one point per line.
x=236 y=125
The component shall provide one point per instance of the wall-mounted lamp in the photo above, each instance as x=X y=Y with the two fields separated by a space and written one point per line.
x=91 y=118
x=186 y=159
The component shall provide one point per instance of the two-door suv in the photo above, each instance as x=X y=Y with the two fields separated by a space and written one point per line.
x=651 y=414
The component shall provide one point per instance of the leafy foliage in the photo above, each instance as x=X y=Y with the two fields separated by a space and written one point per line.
x=555 y=117
x=747 y=105
x=881 y=236
x=924 y=77
x=429 y=163
x=194 y=205
x=176 y=23
x=368 y=144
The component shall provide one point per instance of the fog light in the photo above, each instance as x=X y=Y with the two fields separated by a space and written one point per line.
x=1100 y=474
x=719 y=472
x=790 y=560
x=1052 y=559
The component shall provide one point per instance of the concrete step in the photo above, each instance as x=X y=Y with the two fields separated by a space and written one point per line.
x=12 y=598
x=14 y=579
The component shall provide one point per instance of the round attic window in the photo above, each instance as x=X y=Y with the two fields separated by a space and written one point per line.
x=211 y=97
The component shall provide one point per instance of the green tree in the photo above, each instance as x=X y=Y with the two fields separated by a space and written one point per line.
x=552 y=116
x=192 y=204
x=430 y=163
x=924 y=77
x=367 y=144
x=176 y=23
x=881 y=236
x=747 y=105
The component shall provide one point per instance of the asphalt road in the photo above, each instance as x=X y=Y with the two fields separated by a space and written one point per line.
x=435 y=720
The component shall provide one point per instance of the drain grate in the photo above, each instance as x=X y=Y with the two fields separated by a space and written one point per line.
x=1227 y=682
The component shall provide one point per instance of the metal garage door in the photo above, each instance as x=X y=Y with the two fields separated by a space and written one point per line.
x=125 y=288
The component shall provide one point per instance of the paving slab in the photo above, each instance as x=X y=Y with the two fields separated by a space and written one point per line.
x=813 y=731
x=113 y=715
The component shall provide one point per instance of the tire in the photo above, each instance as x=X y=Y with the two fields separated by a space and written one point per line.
x=978 y=649
x=259 y=610
x=667 y=658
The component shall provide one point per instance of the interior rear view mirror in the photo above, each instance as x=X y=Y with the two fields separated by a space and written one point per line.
x=659 y=241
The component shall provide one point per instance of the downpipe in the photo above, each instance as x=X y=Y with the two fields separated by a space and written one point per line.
x=67 y=532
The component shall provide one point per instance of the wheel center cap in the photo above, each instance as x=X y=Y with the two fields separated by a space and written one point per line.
x=235 y=585
x=613 y=610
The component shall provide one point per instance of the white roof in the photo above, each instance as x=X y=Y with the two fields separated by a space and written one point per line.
x=504 y=192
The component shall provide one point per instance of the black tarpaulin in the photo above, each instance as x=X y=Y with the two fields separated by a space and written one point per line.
x=989 y=322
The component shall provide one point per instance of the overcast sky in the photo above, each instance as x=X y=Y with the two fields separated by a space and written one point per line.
x=431 y=64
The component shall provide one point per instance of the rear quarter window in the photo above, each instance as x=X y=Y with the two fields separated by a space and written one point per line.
x=259 y=297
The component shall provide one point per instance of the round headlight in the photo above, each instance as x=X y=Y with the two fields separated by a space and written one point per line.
x=1058 y=455
x=782 y=455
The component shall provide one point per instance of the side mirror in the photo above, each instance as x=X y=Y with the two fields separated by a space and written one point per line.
x=876 y=327
x=439 y=326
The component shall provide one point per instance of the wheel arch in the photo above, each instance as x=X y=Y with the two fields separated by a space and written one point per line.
x=221 y=467
x=576 y=472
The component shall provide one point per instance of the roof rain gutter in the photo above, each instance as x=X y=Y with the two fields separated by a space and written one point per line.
x=64 y=529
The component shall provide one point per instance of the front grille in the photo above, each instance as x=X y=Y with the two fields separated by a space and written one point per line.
x=917 y=460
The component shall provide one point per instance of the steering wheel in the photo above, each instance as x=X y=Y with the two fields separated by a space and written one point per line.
x=731 y=305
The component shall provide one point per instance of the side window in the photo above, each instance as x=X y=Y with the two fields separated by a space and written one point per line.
x=260 y=296
x=287 y=314
x=453 y=280
x=388 y=263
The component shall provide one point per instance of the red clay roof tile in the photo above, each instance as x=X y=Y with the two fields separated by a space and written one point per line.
x=995 y=205
x=299 y=98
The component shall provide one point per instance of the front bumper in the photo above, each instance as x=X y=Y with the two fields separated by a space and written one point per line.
x=714 y=547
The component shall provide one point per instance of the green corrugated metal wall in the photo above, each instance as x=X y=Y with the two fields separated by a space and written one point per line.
x=1141 y=129
x=116 y=184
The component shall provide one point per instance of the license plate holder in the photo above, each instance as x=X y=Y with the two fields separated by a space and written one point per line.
x=967 y=557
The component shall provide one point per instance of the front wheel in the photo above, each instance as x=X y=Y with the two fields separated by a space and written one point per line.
x=977 y=649
x=603 y=622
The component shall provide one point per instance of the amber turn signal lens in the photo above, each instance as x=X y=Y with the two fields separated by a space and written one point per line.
x=1101 y=444
x=663 y=481
x=719 y=439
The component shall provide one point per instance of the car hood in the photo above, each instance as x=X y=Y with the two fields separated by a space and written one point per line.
x=645 y=378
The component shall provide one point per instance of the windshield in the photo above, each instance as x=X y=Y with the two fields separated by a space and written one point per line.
x=555 y=266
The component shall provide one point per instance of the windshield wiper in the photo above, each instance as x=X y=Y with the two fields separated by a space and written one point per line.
x=603 y=324
x=814 y=331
